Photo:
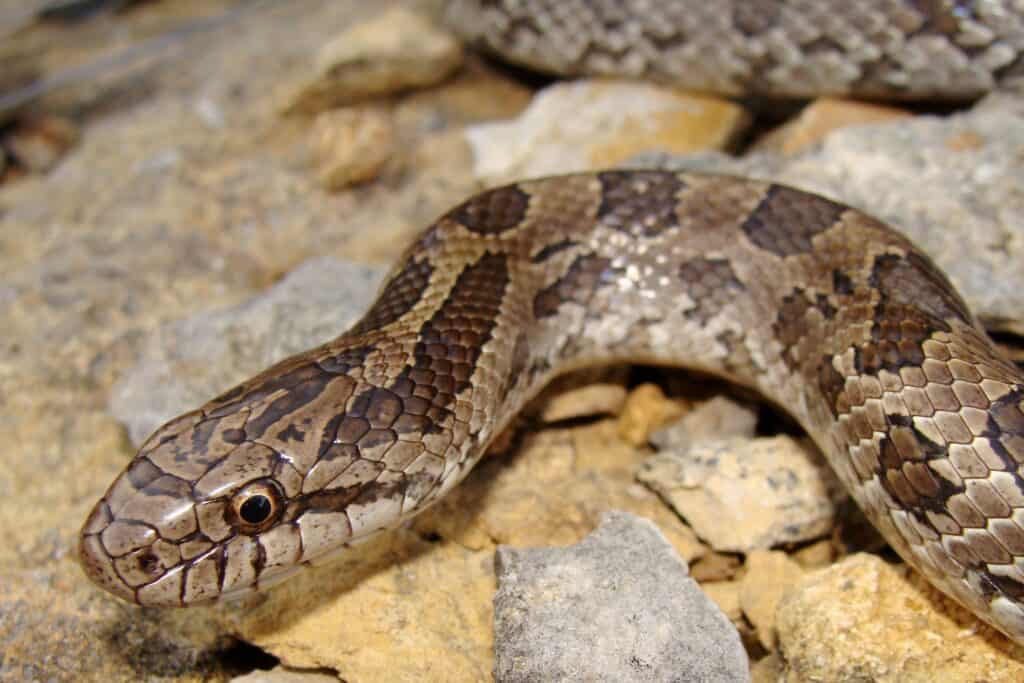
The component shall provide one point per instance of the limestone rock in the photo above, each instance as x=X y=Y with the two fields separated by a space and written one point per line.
x=739 y=495
x=821 y=117
x=816 y=555
x=646 y=409
x=280 y=674
x=770 y=573
x=196 y=358
x=618 y=606
x=552 y=491
x=594 y=391
x=395 y=51
x=725 y=594
x=382 y=613
x=352 y=145
x=591 y=124
x=865 y=620
x=716 y=419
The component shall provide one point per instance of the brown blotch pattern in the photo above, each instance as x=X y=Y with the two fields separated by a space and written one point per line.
x=914 y=281
x=639 y=202
x=711 y=283
x=493 y=212
x=583 y=277
x=786 y=220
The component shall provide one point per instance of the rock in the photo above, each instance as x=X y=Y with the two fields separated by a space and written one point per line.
x=591 y=124
x=38 y=144
x=600 y=391
x=352 y=145
x=963 y=210
x=821 y=117
x=618 y=606
x=739 y=495
x=55 y=627
x=816 y=555
x=381 y=613
x=397 y=50
x=725 y=594
x=196 y=358
x=646 y=409
x=279 y=674
x=716 y=419
x=865 y=620
x=769 y=574
x=712 y=566
x=509 y=499
x=768 y=669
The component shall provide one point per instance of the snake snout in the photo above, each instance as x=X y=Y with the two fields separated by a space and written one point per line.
x=141 y=535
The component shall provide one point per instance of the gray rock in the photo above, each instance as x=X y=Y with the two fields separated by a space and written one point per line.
x=193 y=359
x=950 y=184
x=618 y=606
x=741 y=494
x=716 y=419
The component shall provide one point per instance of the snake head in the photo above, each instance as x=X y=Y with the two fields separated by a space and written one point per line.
x=193 y=518
x=227 y=500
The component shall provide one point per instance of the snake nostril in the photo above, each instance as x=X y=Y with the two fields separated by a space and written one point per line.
x=149 y=563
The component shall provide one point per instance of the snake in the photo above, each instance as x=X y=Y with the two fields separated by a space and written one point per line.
x=821 y=308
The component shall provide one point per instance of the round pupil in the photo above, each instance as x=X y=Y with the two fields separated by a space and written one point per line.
x=256 y=509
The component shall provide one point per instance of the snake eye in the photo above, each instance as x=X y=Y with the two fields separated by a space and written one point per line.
x=256 y=506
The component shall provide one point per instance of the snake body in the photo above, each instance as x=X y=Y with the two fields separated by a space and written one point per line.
x=904 y=49
x=821 y=308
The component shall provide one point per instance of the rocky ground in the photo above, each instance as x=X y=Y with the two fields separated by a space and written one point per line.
x=170 y=229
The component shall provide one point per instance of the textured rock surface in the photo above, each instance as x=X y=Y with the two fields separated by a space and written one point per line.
x=352 y=145
x=769 y=574
x=864 y=620
x=821 y=117
x=395 y=50
x=716 y=419
x=739 y=495
x=595 y=124
x=618 y=606
x=282 y=675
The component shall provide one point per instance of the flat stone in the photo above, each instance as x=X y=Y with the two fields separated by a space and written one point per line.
x=382 y=612
x=769 y=574
x=744 y=494
x=586 y=393
x=821 y=117
x=397 y=50
x=352 y=145
x=863 y=619
x=618 y=606
x=590 y=124
x=725 y=594
x=282 y=675
x=646 y=409
x=719 y=418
